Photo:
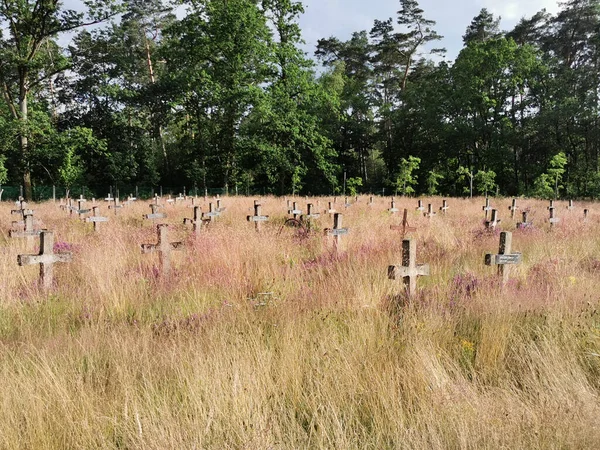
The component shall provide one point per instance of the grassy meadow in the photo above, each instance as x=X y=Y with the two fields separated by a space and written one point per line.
x=272 y=340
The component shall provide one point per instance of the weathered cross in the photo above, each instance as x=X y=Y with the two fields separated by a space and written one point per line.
x=196 y=221
x=524 y=224
x=405 y=228
x=444 y=207
x=45 y=258
x=393 y=209
x=494 y=221
x=79 y=210
x=154 y=215
x=487 y=207
x=95 y=218
x=116 y=206
x=420 y=205
x=330 y=209
x=109 y=198
x=29 y=231
x=513 y=208
x=430 y=212
x=585 y=214
x=552 y=219
x=211 y=214
x=570 y=206
x=257 y=218
x=337 y=231
x=295 y=211
x=163 y=247
x=310 y=214
x=504 y=258
x=409 y=270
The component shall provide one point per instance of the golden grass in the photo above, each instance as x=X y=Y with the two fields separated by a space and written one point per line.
x=260 y=341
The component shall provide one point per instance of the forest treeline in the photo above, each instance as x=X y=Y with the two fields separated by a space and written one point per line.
x=223 y=96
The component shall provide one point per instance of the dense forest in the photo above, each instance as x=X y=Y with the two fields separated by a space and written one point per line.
x=222 y=96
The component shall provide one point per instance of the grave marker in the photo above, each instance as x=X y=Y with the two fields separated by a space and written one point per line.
x=405 y=228
x=163 y=247
x=504 y=258
x=420 y=205
x=444 y=207
x=487 y=207
x=393 y=209
x=494 y=221
x=257 y=218
x=570 y=206
x=409 y=271
x=430 y=213
x=513 y=208
x=196 y=220
x=552 y=219
x=524 y=224
x=295 y=211
x=154 y=215
x=585 y=215
x=95 y=219
x=45 y=258
x=211 y=214
x=310 y=214
x=337 y=231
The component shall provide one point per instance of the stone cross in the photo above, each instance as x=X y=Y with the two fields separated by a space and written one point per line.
x=504 y=258
x=393 y=209
x=487 y=207
x=109 y=198
x=347 y=204
x=163 y=247
x=220 y=209
x=45 y=258
x=585 y=214
x=494 y=221
x=196 y=221
x=154 y=215
x=95 y=218
x=420 y=205
x=552 y=219
x=430 y=213
x=337 y=231
x=371 y=201
x=330 y=210
x=116 y=206
x=29 y=231
x=211 y=214
x=79 y=210
x=405 y=228
x=179 y=198
x=258 y=218
x=295 y=211
x=444 y=207
x=570 y=206
x=310 y=214
x=409 y=270
x=513 y=208
x=524 y=224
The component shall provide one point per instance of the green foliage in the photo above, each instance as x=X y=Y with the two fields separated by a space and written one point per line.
x=485 y=181
x=406 y=179
x=352 y=184
x=3 y=171
x=547 y=185
x=543 y=187
x=433 y=181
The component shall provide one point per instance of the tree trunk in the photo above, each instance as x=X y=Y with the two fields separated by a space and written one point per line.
x=24 y=141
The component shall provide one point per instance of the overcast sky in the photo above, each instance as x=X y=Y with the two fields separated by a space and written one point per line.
x=339 y=18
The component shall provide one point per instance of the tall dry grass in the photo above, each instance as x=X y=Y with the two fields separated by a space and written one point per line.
x=271 y=340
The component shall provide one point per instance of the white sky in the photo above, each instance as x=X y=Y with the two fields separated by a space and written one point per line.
x=339 y=18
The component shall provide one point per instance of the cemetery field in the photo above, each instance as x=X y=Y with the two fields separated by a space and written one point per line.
x=275 y=340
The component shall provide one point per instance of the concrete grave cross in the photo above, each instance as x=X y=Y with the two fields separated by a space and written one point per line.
x=585 y=214
x=494 y=221
x=409 y=271
x=80 y=210
x=570 y=206
x=196 y=220
x=337 y=231
x=524 y=224
x=444 y=207
x=504 y=258
x=393 y=209
x=487 y=207
x=28 y=232
x=430 y=212
x=295 y=211
x=310 y=214
x=347 y=204
x=154 y=214
x=211 y=214
x=45 y=258
x=109 y=198
x=96 y=219
x=330 y=209
x=513 y=208
x=420 y=206
x=405 y=228
x=552 y=219
x=220 y=209
x=116 y=205
x=163 y=247
x=257 y=218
